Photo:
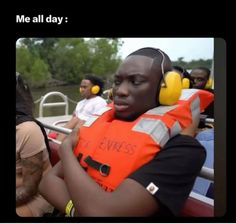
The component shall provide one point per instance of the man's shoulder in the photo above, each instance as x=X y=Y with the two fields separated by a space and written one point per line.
x=99 y=99
x=28 y=128
x=183 y=141
x=211 y=90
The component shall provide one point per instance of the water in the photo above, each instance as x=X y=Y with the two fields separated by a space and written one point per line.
x=72 y=92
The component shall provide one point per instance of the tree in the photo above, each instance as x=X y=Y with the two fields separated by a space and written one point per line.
x=194 y=63
x=32 y=67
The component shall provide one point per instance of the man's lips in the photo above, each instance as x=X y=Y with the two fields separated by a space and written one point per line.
x=121 y=107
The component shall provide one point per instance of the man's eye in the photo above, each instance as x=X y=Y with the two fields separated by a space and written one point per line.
x=117 y=82
x=200 y=79
x=136 y=82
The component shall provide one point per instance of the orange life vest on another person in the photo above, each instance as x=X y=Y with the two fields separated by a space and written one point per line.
x=110 y=149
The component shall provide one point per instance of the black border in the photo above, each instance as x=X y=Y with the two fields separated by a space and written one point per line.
x=77 y=27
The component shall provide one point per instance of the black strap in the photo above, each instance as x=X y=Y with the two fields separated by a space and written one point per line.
x=104 y=169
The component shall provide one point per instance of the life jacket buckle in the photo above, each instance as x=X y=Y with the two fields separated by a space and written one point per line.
x=104 y=169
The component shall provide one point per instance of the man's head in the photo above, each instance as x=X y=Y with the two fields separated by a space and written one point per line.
x=199 y=77
x=137 y=82
x=24 y=99
x=91 y=86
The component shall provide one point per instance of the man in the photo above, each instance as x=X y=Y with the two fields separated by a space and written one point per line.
x=32 y=155
x=91 y=89
x=200 y=79
x=125 y=167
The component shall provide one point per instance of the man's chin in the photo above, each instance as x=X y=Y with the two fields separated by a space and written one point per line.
x=124 y=116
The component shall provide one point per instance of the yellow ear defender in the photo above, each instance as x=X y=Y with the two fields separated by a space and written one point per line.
x=185 y=83
x=95 y=89
x=171 y=88
x=209 y=84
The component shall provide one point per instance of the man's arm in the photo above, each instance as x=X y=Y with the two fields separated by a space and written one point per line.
x=89 y=199
x=32 y=169
x=53 y=188
x=173 y=172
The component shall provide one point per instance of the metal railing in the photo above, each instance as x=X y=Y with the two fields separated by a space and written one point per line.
x=54 y=104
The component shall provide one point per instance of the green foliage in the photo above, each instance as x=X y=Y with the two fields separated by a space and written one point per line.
x=194 y=63
x=68 y=59
x=104 y=60
x=32 y=67
x=41 y=74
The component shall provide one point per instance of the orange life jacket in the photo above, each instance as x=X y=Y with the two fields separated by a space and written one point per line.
x=110 y=149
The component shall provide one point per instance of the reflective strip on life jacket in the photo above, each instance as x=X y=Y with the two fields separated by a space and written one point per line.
x=175 y=129
x=187 y=93
x=195 y=109
x=90 y=121
x=102 y=110
x=161 y=110
x=153 y=127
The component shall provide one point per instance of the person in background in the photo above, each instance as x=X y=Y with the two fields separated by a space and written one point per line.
x=200 y=79
x=91 y=89
x=138 y=157
x=32 y=156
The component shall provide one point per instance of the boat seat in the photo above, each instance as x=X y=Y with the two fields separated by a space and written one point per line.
x=198 y=206
x=54 y=152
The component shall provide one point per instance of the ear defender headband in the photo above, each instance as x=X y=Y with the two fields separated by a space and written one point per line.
x=171 y=85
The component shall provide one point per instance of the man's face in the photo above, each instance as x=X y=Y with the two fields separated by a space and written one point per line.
x=135 y=87
x=198 y=78
x=85 y=88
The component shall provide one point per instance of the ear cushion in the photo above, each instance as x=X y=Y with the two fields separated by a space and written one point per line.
x=95 y=89
x=209 y=84
x=110 y=94
x=185 y=83
x=170 y=93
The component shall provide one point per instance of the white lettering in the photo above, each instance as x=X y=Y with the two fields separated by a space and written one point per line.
x=22 y=18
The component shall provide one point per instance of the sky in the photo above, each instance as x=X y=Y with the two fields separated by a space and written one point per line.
x=188 y=48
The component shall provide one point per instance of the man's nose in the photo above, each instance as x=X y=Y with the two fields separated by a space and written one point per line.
x=122 y=89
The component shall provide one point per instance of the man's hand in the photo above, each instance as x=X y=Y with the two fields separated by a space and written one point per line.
x=192 y=129
x=69 y=142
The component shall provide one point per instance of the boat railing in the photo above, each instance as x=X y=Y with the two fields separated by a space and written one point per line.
x=43 y=103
